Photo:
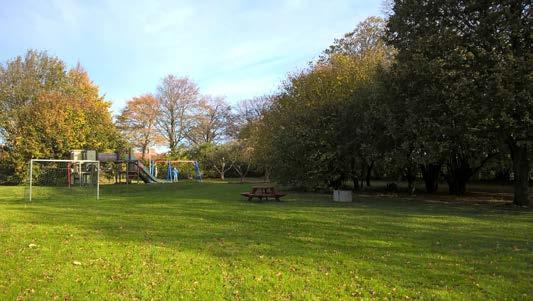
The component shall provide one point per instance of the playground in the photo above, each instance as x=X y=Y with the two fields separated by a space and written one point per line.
x=208 y=242
x=126 y=168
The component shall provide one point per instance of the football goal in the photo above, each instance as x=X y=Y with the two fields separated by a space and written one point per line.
x=50 y=178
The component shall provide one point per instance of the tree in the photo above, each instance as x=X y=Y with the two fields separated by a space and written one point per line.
x=501 y=46
x=367 y=37
x=363 y=136
x=220 y=159
x=326 y=124
x=137 y=121
x=47 y=110
x=211 y=121
x=251 y=110
x=241 y=158
x=251 y=127
x=177 y=98
x=465 y=67
x=322 y=129
x=22 y=80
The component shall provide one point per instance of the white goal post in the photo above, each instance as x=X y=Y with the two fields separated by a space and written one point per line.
x=71 y=173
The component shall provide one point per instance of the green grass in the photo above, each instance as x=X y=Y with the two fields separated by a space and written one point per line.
x=202 y=241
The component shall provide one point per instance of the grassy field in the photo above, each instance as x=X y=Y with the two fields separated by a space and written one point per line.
x=202 y=241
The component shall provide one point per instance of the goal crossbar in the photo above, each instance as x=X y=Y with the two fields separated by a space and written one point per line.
x=67 y=161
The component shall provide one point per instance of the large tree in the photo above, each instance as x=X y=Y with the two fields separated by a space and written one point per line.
x=137 y=122
x=326 y=125
x=177 y=97
x=464 y=70
x=251 y=127
x=211 y=121
x=22 y=80
x=48 y=110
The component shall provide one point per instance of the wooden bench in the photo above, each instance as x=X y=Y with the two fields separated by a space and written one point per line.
x=263 y=192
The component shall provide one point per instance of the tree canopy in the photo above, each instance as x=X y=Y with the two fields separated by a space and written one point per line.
x=48 y=110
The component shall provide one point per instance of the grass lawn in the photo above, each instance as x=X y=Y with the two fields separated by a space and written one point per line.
x=203 y=241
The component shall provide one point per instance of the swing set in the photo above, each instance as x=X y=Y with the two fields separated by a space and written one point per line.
x=172 y=172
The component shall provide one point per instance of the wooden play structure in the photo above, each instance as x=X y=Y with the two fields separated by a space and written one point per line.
x=128 y=169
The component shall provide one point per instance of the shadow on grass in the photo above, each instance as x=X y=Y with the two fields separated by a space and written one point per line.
x=189 y=214
x=389 y=238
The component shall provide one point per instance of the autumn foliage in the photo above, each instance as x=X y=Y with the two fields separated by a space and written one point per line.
x=48 y=111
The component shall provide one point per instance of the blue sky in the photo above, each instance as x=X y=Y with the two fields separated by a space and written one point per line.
x=237 y=49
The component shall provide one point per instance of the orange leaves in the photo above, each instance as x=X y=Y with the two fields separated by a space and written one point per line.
x=137 y=121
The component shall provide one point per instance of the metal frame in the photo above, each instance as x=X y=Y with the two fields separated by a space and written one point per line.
x=72 y=161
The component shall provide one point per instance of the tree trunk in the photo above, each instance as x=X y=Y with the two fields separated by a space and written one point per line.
x=242 y=171
x=172 y=146
x=411 y=185
x=143 y=152
x=355 y=181
x=457 y=185
x=459 y=172
x=410 y=176
x=430 y=174
x=267 y=174
x=362 y=176
x=223 y=171
x=353 y=175
x=368 y=173
x=521 y=174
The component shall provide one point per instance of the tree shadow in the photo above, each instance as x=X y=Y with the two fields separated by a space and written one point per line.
x=382 y=236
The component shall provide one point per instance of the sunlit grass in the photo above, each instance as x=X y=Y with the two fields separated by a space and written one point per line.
x=203 y=241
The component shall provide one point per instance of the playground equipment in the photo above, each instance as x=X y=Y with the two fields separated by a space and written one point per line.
x=81 y=173
x=123 y=166
x=129 y=169
x=171 y=169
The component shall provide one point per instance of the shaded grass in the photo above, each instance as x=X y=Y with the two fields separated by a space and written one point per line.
x=202 y=241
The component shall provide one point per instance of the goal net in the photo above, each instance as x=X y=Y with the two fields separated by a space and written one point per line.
x=63 y=179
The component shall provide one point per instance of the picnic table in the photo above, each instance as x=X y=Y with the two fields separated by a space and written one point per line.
x=261 y=192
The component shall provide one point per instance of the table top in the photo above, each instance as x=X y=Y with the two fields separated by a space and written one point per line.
x=263 y=189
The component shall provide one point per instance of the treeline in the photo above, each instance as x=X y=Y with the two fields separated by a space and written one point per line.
x=177 y=116
x=439 y=89
x=47 y=110
x=190 y=125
